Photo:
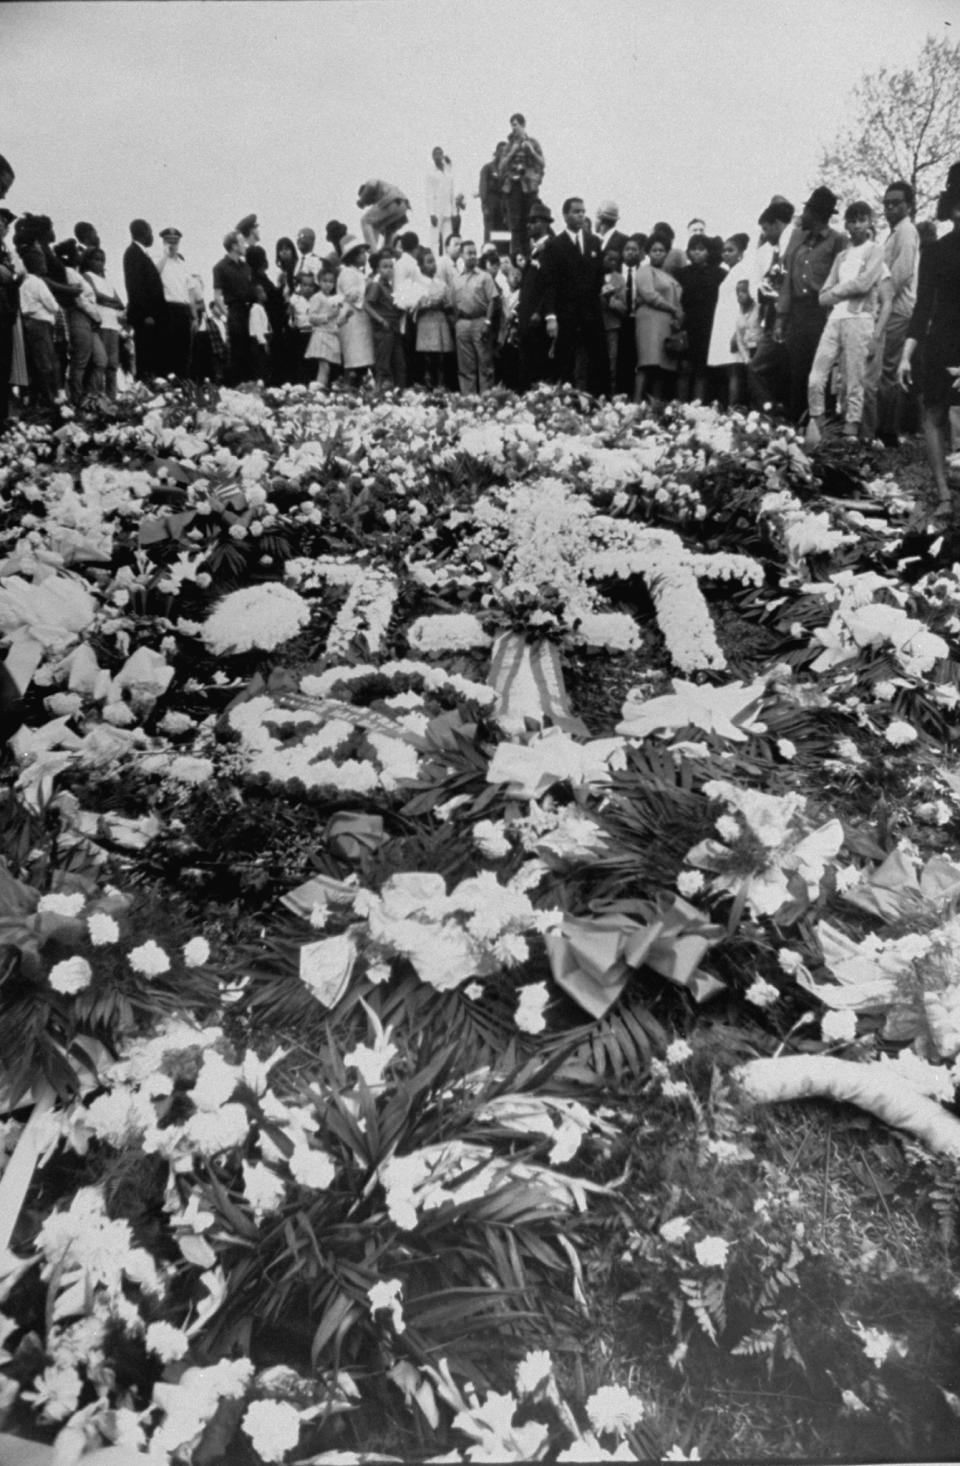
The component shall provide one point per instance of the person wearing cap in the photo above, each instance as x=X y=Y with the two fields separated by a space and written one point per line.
x=249 y=230
x=444 y=204
x=11 y=274
x=606 y=230
x=234 y=292
x=145 y=301
x=178 y=317
x=521 y=169
x=767 y=377
x=800 y=316
x=355 y=327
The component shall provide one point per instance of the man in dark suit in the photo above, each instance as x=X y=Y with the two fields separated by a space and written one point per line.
x=531 y=336
x=146 y=306
x=572 y=277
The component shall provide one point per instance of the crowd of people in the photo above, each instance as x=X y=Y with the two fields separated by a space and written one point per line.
x=800 y=315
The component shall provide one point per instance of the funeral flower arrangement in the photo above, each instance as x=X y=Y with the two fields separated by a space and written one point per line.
x=389 y=787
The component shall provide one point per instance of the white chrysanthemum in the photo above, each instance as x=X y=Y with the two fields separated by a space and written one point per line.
x=533 y=1370
x=612 y=1408
x=689 y=882
x=259 y=616
x=273 y=1427
x=762 y=993
x=312 y=1168
x=675 y=1230
x=60 y=903
x=899 y=733
x=102 y=929
x=150 y=960
x=167 y=1342
x=196 y=953
x=71 y=975
x=712 y=1252
x=491 y=839
x=838 y=1026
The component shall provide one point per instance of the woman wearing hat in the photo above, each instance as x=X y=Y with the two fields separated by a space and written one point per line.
x=936 y=322
x=355 y=328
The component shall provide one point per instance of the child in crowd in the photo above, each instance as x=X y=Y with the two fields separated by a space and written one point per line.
x=852 y=290
x=387 y=320
x=746 y=335
x=613 y=301
x=323 y=314
x=259 y=328
x=301 y=328
x=434 y=332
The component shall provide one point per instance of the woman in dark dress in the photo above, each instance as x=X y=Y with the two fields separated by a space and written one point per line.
x=284 y=360
x=699 y=284
x=936 y=325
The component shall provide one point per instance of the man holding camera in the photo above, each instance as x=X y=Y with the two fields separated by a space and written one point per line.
x=522 y=168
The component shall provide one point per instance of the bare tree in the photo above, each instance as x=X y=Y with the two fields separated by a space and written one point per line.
x=904 y=124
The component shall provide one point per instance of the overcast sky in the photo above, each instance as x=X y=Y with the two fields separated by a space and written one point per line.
x=194 y=114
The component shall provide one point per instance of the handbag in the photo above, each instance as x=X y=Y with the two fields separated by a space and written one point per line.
x=677 y=343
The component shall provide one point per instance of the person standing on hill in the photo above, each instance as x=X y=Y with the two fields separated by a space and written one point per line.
x=444 y=204
x=522 y=166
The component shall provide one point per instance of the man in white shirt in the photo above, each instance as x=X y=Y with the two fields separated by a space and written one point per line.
x=39 y=310
x=450 y=263
x=308 y=262
x=443 y=201
x=884 y=399
x=178 y=316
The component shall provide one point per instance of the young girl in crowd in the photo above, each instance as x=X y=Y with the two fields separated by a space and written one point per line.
x=300 y=325
x=747 y=333
x=323 y=314
x=387 y=319
x=613 y=303
x=434 y=333
x=356 y=330
x=723 y=357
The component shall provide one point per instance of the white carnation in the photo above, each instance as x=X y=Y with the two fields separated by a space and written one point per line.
x=71 y=975
x=259 y=616
x=149 y=959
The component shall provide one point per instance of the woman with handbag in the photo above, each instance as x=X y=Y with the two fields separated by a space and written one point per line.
x=659 y=321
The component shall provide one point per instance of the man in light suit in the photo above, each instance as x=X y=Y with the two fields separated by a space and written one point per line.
x=572 y=278
x=146 y=304
x=605 y=228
